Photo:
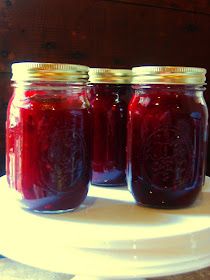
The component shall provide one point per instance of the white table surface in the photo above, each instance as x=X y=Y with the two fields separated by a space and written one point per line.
x=109 y=229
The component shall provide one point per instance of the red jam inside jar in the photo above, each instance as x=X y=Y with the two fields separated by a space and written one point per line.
x=167 y=139
x=48 y=133
x=6 y=93
x=109 y=98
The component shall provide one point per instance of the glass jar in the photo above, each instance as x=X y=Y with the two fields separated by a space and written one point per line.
x=6 y=93
x=48 y=135
x=110 y=93
x=167 y=136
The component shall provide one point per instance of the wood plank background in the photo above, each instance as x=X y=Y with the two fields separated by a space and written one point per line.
x=102 y=33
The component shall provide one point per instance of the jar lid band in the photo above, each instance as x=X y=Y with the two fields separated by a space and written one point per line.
x=111 y=76
x=35 y=71
x=169 y=75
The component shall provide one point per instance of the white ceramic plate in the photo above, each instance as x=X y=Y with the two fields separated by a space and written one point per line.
x=108 y=236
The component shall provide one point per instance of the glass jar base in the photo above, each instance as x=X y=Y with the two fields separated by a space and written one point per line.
x=51 y=211
x=111 y=178
x=109 y=185
x=165 y=206
x=45 y=205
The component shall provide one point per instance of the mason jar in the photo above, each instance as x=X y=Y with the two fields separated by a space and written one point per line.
x=6 y=93
x=48 y=136
x=109 y=95
x=167 y=136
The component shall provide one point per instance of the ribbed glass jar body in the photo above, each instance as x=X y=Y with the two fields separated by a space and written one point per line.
x=167 y=139
x=109 y=105
x=48 y=135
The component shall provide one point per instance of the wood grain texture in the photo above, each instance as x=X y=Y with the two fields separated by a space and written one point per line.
x=195 y=6
x=102 y=33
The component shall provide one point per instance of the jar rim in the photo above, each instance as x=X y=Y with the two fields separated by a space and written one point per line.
x=110 y=75
x=169 y=75
x=41 y=71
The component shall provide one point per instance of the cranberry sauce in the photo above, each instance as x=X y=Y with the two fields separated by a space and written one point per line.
x=48 y=149
x=167 y=137
x=6 y=93
x=109 y=104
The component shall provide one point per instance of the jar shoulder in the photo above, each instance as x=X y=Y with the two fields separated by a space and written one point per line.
x=49 y=102
x=161 y=102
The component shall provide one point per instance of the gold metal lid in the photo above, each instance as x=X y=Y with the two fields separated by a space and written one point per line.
x=111 y=76
x=35 y=71
x=168 y=75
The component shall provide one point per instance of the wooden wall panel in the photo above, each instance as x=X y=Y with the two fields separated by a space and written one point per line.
x=105 y=33
x=102 y=33
x=195 y=6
